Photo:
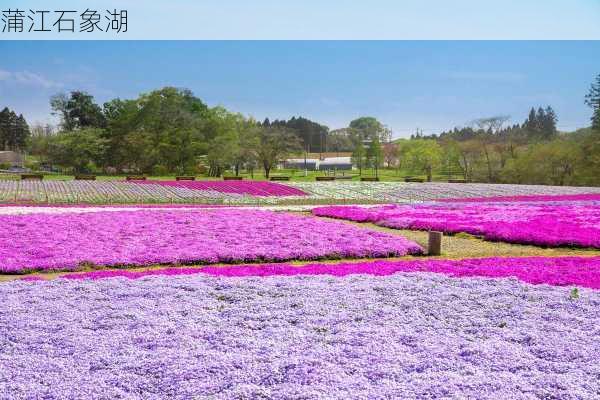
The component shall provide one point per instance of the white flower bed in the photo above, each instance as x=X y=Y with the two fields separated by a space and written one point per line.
x=400 y=192
x=119 y=192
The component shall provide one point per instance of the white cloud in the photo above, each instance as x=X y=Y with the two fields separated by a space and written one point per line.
x=28 y=78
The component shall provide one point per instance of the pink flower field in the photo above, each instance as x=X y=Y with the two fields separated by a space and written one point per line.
x=557 y=271
x=126 y=238
x=250 y=188
x=575 y=224
x=543 y=198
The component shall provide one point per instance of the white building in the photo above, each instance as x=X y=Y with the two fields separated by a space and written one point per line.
x=312 y=164
x=336 y=163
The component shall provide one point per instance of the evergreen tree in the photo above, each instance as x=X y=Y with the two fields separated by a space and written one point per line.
x=531 y=121
x=548 y=123
x=592 y=99
x=541 y=123
x=22 y=132
x=540 y=117
x=312 y=135
x=14 y=130
x=4 y=127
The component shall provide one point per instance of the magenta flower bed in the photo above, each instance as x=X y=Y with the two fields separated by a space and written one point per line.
x=544 y=198
x=352 y=213
x=558 y=271
x=124 y=205
x=65 y=242
x=546 y=224
x=251 y=188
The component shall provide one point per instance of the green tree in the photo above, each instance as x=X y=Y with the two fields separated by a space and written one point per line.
x=14 y=130
x=59 y=105
x=591 y=159
x=549 y=124
x=391 y=154
x=274 y=144
x=592 y=99
x=531 y=123
x=367 y=128
x=541 y=124
x=77 y=111
x=358 y=156
x=469 y=156
x=423 y=155
x=339 y=140
x=232 y=141
x=551 y=163
x=82 y=150
x=247 y=139
x=375 y=155
x=173 y=125
x=39 y=142
x=486 y=136
x=313 y=136
x=122 y=139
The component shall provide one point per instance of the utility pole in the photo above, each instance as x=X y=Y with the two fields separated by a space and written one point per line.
x=305 y=155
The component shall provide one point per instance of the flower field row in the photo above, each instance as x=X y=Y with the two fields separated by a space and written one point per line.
x=8 y=209
x=543 y=198
x=400 y=192
x=547 y=224
x=559 y=271
x=68 y=241
x=117 y=192
x=258 y=193
x=249 y=188
x=399 y=336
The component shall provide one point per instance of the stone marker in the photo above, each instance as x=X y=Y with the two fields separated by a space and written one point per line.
x=435 y=243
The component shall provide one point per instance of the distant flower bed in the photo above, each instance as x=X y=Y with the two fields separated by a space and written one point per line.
x=67 y=241
x=259 y=192
x=559 y=271
x=145 y=192
x=423 y=336
x=538 y=223
x=249 y=188
x=401 y=192
x=542 y=198
x=40 y=206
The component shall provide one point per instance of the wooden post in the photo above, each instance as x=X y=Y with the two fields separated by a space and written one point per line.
x=435 y=243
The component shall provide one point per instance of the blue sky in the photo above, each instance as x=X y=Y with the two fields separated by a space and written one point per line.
x=431 y=85
x=337 y=19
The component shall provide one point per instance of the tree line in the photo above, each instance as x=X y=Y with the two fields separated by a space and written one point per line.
x=489 y=150
x=170 y=130
x=161 y=132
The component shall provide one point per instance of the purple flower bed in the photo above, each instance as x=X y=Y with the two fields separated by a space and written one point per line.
x=251 y=188
x=401 y=336
x=544 y=198
x=558 y=271
x=64 y=242
x=547 y=224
